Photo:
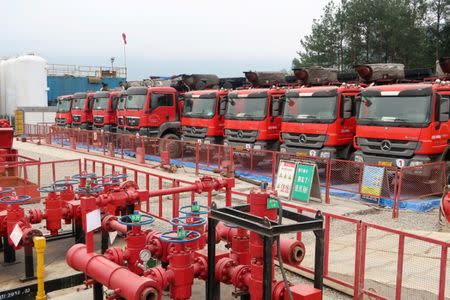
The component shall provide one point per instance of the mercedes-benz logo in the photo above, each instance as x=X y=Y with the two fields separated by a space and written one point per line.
x=193 y=130
x=385 y=145
x=302 y=138
x=240 y=134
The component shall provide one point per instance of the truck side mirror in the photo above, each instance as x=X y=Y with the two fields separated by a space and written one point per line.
x=347 y=107
x=275 y=108
x=444 y=109
x=222 y=107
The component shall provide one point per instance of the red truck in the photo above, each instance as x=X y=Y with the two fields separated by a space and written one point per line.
x=63 y=116
x=253 y=117
x=203 y=116
x=104 y=110
x=82 y=110
x=152 y=111
x=319 y=120
x=403 y=124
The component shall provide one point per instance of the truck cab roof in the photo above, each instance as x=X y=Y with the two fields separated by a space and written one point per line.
x=317 y=91
x=406 y=89
x=211 y=93
x=138 y=90
x=254 y=93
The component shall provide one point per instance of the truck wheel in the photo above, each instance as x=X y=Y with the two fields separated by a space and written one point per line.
x=173 y=148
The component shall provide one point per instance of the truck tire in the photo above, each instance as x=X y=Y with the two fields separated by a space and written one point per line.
x=173 y=148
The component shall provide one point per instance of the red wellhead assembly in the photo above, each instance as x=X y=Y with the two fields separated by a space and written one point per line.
x=251 y=232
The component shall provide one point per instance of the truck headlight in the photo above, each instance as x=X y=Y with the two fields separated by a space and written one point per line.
x=325 y=154
x=415 y=163
x=257 y=147
x=225 y=143
x=312 y=152
x=283 y=150
x=207 y=142
x=359 y=158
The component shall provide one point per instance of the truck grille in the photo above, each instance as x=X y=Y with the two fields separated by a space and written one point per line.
x=98 y=119
x=246 y=136
x=388 y=147
x=192 y=131
x=131 y=121
x=304 y=140
x=76 y=118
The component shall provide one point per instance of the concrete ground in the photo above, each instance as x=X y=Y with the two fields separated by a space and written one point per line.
x=381 y=256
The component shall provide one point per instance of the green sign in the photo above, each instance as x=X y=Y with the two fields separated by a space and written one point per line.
x=272 y=203
x=306 y=183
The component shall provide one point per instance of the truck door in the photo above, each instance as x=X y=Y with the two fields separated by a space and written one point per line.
x=163 y=109
x=347 y=118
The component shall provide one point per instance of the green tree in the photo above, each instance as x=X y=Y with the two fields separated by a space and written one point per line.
x=412 y=32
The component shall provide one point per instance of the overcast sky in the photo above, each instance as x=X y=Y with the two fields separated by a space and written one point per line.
x=164 y=37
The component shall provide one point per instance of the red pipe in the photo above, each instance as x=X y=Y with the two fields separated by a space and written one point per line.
x=110 y=223
x=124 y=282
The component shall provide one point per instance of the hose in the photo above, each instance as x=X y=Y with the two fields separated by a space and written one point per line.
x=280 y=260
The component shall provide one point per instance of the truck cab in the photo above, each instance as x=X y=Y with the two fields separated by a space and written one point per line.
x=253 y=119
x=203 y=116
x=152 y=111
x=82 y=110
x=63 y=116
x=320 y=121
x=403 y=124
x=104 y=110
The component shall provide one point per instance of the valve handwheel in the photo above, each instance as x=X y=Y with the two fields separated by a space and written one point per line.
x=5 y=190
x=111 y=179
x=15 y=199
x=52 y=188
x=136 y=219
x=84 y=175
x=65 y=182
x=180 y=236
x=89 y=190
x=188 y=221
x=194 y=209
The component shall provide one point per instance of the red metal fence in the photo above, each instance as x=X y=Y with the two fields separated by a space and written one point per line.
x=337 y=176
x=360 y=258
x=363 y=259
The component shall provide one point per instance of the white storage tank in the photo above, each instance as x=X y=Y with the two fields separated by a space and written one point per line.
x=10 y=86
x=30 y=81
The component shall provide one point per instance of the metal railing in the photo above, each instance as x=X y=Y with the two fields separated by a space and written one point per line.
x=339 y=177
x=78 y=71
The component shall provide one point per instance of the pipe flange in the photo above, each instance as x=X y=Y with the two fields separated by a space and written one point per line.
x=115 y=254
x=222 y=269
x=238 y=275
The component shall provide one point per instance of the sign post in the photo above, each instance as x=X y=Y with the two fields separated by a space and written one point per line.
x=285 y=178
x=306 y=184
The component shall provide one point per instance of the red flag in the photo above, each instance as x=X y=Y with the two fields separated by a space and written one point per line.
x=124 y=37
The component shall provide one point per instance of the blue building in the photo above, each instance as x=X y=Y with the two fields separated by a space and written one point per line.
x=69 y=79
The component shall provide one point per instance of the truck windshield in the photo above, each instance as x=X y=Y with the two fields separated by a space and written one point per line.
x=135 y=101
x=101 y=103
x=310 y=109
x=78 y=103
x=121 y=105
x=63 y=105
x=394 y=110
x=200 y=108
x=246 y=108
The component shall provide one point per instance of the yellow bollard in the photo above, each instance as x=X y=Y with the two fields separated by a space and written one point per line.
x=39 y=245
